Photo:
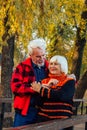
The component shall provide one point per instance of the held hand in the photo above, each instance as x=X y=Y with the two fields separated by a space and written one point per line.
x=36 y=86
x=52 y=82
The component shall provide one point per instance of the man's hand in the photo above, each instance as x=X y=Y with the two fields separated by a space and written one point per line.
x=36 y=86
x=72 y=76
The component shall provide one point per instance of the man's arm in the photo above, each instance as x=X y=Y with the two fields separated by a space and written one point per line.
x=19 y=85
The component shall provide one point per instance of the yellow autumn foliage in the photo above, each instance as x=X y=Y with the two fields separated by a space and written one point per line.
x=54 y=20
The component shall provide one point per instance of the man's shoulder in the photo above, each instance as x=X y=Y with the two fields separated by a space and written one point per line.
x=26 y=62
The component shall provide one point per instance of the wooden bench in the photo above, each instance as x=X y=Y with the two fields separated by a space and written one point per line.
x=57 y=124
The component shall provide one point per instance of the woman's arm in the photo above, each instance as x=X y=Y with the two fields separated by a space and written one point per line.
x=65 y=93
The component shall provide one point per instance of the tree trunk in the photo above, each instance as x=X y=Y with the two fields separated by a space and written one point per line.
x=78 y=54
x=81 y=88
x=77 y=59
x=79 y=46
x=7 y=67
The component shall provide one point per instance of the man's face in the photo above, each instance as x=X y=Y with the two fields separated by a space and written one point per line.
x=38 y=56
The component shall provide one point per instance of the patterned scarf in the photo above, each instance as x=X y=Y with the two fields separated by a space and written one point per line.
x=62 y=79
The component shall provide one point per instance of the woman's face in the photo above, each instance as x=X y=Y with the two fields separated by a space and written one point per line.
x=55 y=68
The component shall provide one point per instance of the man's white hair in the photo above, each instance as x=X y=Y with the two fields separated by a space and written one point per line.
x=37 y=43
x=62 y=61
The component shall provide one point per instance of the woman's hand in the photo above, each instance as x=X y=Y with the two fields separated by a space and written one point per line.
x=52 y=82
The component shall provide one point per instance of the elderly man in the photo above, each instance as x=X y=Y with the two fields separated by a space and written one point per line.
x=32 y=69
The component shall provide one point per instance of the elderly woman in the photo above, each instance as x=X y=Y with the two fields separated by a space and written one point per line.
x=56 y=91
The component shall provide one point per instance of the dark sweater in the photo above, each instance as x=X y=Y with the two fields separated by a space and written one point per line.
x=57 y=102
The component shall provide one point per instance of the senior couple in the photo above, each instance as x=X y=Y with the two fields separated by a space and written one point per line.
x=42 y=91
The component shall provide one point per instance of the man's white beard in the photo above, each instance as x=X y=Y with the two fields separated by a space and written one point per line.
x=39 y=65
